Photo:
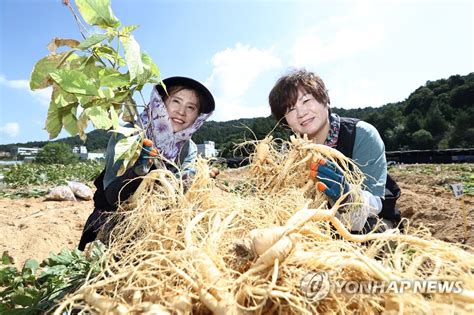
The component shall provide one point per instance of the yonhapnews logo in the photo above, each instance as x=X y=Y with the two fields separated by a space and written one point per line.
x=317 y=285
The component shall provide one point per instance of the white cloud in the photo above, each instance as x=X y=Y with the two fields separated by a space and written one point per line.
x=339 y=38
x=227 y=109
x=355 y=94
x=236 y=69
x=42 y=96
x=10 y=129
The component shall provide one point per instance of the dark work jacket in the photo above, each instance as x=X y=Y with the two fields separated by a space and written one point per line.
x=106 y=200
x=345 y=144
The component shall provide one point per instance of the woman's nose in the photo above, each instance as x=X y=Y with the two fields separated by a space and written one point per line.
x=300 y=111
x=180 y=110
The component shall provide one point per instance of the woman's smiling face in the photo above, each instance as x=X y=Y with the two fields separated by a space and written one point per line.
x=183 y=108
x=308 y=116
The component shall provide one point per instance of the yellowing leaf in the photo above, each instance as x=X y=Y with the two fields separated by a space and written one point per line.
x=58 y=42
x=82 y=123
x=40 y=78
x=99 y=117
x=97 y=12
x=132 y=56
x=114 y=117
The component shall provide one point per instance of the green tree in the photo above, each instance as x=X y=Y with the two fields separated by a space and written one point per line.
x=435 y=123
x=421 y=99
x=422 y=139
x=463 y=132
x=414 y=121
x=56 y=153
x=463 y=96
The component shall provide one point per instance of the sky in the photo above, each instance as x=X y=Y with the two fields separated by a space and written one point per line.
x=369 y=53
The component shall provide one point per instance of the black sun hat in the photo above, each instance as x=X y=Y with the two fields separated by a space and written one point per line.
x=193 y=84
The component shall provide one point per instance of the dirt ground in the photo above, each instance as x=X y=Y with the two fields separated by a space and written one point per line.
x=33 y=228
x=427 y=198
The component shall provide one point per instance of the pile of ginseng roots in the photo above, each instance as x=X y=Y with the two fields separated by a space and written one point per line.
x=243 y=243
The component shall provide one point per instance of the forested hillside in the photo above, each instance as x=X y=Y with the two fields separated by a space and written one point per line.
x=438 y=115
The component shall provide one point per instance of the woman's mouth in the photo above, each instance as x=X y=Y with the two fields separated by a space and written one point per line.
x=307 y=122
x=177 y=121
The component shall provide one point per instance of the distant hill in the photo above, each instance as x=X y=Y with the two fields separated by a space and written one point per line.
x=437 y=115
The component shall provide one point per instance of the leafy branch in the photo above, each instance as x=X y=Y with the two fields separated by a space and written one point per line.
x=91 y=82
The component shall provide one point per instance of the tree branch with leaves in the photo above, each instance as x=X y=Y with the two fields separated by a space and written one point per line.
x=92 y=82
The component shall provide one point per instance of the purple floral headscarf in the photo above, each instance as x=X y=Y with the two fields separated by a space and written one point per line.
x=159 y=129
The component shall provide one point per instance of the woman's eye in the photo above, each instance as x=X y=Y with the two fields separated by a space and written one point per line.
x=290 y=108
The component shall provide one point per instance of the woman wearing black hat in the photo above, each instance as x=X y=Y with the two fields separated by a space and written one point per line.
x=170 y=119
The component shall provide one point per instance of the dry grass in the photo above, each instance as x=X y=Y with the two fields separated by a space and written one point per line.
x=245 y=248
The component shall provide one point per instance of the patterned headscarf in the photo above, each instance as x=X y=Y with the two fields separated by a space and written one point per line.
x=160 y=130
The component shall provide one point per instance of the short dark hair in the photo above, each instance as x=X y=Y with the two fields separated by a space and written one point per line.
x=285 y=91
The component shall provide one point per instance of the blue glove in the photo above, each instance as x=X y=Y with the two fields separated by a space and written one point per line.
x=145 y=160
x=331 y=181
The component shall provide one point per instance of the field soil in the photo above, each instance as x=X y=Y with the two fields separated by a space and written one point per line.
x=34 y=228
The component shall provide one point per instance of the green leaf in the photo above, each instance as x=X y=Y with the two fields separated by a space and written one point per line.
x=92 y=40
x=127 y=150
x=84 y=99
x=62 y=98
x=126 y=147
x=150 y=65
x=106 y=93
x=65 y=257
x=114 y=117
x=126 y=30
x=30 y=267
x=70 y=122
x=40 y=78
x=120 y=96
x=91 y=69
x=99 y=117
x=56 y=270
x=6 y=258
x=22 y=299
x=53 y=123
x=109 y=54
x=97 y=12
x=132 y=56
x=113 y=78
x=97 y=250
x=75 y=81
